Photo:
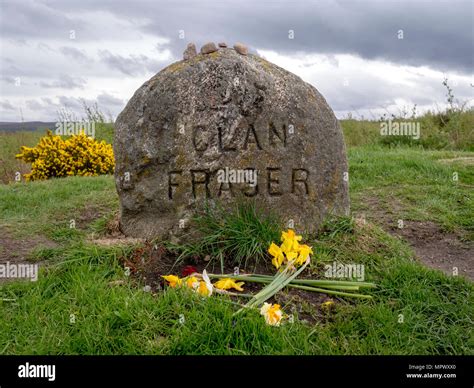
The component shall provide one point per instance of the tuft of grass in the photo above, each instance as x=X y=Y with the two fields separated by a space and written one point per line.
x=332 y=226
x=75 y=308
x=238 y=237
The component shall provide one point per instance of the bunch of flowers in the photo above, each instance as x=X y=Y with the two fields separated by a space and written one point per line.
x=290 y=258
x=78 y=155
x=201 y=284
x=290 y=250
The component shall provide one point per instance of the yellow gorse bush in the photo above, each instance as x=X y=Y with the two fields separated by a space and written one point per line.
x=78 y=155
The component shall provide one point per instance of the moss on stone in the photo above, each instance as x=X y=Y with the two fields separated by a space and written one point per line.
x=177 y=66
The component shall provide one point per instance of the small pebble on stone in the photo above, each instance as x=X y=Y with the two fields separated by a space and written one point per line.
x=190 y=51
x=241 y=48
x=208 y=48
x=222 y=44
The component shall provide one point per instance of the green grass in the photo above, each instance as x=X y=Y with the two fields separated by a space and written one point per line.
x=239 y=237
x=10 y=143
x=415 y=310
x=413 y=185
x=47 y=207
x=441 y=131
x=437 y=311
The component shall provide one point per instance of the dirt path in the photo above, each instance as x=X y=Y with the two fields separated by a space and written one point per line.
x=433 y=247
x=17 y=251
x=438 y=249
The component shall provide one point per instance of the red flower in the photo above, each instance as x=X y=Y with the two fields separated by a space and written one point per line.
x=188 y=270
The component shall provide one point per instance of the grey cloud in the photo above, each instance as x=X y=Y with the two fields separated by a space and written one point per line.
x=106 y=102
x=8 y=79
x=45 y=47
x=19 y=42
x=34 y=105
x=6 y=105
x=29 y=18
x=438 y=34
x=371 y=93
x=105 y=99
x=70 y=102
x=131 y=65
x=75 y=54
x=65 y=82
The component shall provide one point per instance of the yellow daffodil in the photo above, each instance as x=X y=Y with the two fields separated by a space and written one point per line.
x=228 y=283
x=290 y=235
x=277 y=253
x=290 y=242
x=304 y=252
x=271 y=313
x=327 y=304
x=203 y=289
x=192 y=282
x=173 y=280
x=287 y=246
x=205 y=286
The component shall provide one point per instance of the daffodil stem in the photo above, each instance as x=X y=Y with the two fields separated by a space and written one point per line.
x=330 y=292
x=224 y=292
x=279 y=282
x=255 y=278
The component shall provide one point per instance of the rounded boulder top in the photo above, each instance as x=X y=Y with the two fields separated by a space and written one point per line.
x=222 y=128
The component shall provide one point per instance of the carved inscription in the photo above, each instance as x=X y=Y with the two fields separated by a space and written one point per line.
x=240 y=137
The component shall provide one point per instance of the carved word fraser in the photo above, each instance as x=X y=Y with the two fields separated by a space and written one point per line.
x=202 y=183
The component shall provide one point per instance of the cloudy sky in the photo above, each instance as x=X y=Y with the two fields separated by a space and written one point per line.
x=366 y=57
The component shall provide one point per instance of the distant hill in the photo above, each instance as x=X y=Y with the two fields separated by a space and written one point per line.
x=26 y=126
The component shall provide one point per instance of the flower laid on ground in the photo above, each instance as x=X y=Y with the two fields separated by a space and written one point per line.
x=173 y=280
x=271 y=313
x=228 y=283
x=290 y=258
x=277 y=253
x=188 y=270
x=205 y=286
x=78 y=155
x=327 y=304
x=290 y=250
x=192 y=282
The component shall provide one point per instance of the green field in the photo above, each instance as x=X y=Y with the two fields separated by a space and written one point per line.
x=75 y=308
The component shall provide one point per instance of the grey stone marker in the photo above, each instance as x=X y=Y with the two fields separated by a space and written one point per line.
x=185 y=131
